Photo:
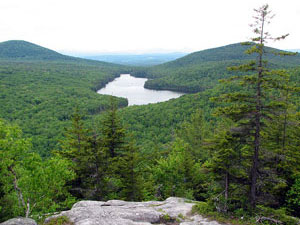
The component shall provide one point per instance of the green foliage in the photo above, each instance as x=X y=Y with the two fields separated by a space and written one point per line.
x=154 y=125
x=202 y=208
x=201 y=70
x=75 y=147
x=31 y=186
x=62 y=220
x=226 y=169
x=193 y=132
x=174 y=175
x=293 y=197
x=12 y=149
x=276 y=215
x=40 y=96
x=105 y=160
x=182 y=149
x=131 y=173
x=251 y=108
x=26 y=50
x=112 y=132
x=168 y=220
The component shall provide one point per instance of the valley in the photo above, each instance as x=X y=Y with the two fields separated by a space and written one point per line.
x=179 y=145
x=149 y=112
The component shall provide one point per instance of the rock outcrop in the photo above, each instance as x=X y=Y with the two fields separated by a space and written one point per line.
x=173 y=211
x=19 y=221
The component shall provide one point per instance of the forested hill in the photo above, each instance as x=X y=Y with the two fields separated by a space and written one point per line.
x=17 y=49
x=41 y=88
x=201 y=70
x=228 y=52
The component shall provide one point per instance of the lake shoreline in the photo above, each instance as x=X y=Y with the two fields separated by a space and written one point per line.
x=132 y=88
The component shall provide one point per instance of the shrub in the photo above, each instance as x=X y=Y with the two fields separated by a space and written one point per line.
x=202 y=208
x=62 y=220
x=276 y=215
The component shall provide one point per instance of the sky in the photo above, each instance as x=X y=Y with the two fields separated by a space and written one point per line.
x=142 y=26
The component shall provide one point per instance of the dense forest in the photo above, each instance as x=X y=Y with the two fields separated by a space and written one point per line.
x=202 y=70
x=232 y=145
x=39 y=92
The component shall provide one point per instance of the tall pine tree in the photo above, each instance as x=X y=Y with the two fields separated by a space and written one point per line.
x=252 y=107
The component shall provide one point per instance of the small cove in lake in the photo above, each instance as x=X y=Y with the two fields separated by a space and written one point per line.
x=132 y=88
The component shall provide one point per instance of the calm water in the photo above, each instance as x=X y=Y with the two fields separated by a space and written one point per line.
x=132 y=88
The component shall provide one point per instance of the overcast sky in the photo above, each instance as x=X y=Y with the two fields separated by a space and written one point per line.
x=139 y=26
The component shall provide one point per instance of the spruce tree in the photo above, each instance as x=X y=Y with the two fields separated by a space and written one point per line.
x=130 y=170
x=75 y=147
x=121 y=158
x=226 y=167
x=97 y=158
x=113 y=132
x=258 y=98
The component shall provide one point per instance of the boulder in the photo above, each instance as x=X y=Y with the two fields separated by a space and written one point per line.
x=173 y=210
x=19 y=221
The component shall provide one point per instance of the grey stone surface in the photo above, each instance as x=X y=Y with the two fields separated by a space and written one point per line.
x=19 y=221
x=116 y=212
x=197 y=220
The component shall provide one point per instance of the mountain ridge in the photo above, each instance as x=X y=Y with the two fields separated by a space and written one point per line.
x=235 y=51
x=20 y=49
x=147 y=59
x=201 y=70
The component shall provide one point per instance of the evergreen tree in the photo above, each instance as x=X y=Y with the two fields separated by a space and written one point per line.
x=253 y=106
x=75 y=147
x=113 y=132
x=193 y=132
x=97 y=159
x=227 y=168
x=177 y=174
x=293 y=197
x=112 y=136
x=105 y=162
x=130 y=168
x=283 y=162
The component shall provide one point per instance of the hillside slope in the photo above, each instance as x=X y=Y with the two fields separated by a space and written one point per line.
x=201 y=70
x=40 y=94
x=18 y=49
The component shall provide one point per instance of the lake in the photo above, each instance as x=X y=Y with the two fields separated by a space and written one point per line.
x=132 y=88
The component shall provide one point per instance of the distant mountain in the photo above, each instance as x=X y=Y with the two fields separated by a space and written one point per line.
x=17 y=49
x=202 y=70
x=293 y=50
x=228 y=52
x=138 y=59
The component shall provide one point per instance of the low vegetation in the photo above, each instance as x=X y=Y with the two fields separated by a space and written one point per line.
x=62 y=220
